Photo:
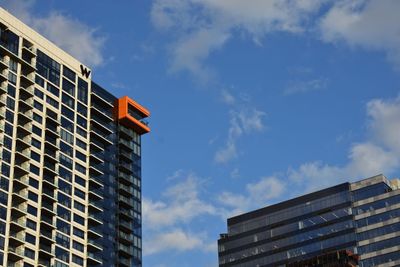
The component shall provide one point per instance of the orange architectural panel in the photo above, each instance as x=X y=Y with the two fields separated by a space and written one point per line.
x=130 y=114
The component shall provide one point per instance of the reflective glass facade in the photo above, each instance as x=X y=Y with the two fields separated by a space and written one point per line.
x=361 y=218
x=70 y=180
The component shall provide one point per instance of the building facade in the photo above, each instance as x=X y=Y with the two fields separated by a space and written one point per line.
x=70 y=159
x=361 y=219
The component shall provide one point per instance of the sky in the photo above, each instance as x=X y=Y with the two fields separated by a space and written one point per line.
x=252 y=102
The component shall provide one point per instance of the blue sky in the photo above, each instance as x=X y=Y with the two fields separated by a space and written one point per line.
x=253 y=102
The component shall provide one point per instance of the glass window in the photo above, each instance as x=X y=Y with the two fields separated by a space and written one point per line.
x=67 y=112
x=32 y=210
x=39 y=93
x=39 y=81
x=82 y=109
x=63 y=213
x=79 y=233
x=62 y=254
x=31 y=224
x=66 y=136
x=36 y=130
x=79 y=193
x=82 y=90
x=63 y=227
x=68 y=87
x=30 y=238
x=70 y=74
x=29 y=253
x=78 y=246
x=64 y=186
x=62 y=240
x=79 y=219
x=52 y=89
x=65 y=173
x=38 y=105
x=48 y=68
x=69 y=101
x=37 y=118
x=64 y=199
x=52 y=102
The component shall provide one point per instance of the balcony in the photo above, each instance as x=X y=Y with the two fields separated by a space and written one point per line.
x=126 y=190
x=94 y=259
x=28 y=91
x=23 y=155
x=98 y=111
x=98 y=137
x=126 y=144
x=3 y=101
x=95 y=205
x=3 y=64
x=3 y=89
x=95 y=218
x=94 y=245
x=23 y=142
x=28 y=78
x=125 y=167
x=3 y=76
x=125 y=226
x=17 y=223
x=17 y=239
x=46 y=250
x=125 y=238
x=95 y=194
x=94 y=148
x=125 y=177
x=18 y=211
x=47 y=234
x=94 y=160
x=48 y=221
x=49 y=181
x=95 y=232
x=15 y=253
x=21 y=169
x=97 y=123
x=49 y=193
x=21 y=182
x=25 y=129
x=29 y=50
x=127 y=250
x=94 y=171
x=27 y=103
x=95 y=182
x=20 y=196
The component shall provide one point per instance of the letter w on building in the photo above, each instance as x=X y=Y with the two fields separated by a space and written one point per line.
x=85 y=71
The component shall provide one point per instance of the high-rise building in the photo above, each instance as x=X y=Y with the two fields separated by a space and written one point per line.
x=70 y=159
x=344 y=225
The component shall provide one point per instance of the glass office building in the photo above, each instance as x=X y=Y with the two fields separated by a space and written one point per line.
x=70 y=159
x=361 y=219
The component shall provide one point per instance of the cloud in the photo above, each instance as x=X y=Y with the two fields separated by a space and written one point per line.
x=300 y=87
x=242 y=121
x=168 y=221
x=256 y=195
x=202 y=27
x=80 y=40
x=372 y=25
x=177 y=240
x=198 y=28
x=379 y=153
x=181 y=203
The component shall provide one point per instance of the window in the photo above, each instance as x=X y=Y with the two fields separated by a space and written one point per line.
x=29 y=253
x=80 y=168
x=82 y=109
x=34 y=183
x=79 y=219
x=81 y=121
x=10 y=116
x=68 y=87
x=13 y=65
x=4 y=183
x=65 y=161
x=31 y=224
x=37 y=105
x=5 y=170
x=78 y=246
x=63 y=213
x=80 y=181
x=11 y=90
x=63 y=227
x=79 y=193
x=52 y=89
x=32 y=210
x=36 y=143
x=36 y=130
x=67 y=100
x=37 y=118
x=34 y=169
x=62 y=254
x=81 y=144
x=52 y=102
x=32 y=196
x=65 y=173
x=10 y=103
x=66 y=136
x=39 y=93
x=62 y=240
x=35 y=156
x=64 y=186
x=79 y=233
x=30 y=238
x=69 y=73
x=39 y=81
x=79 y=206
x=67 y=149
x=48 y=68
x=67 y=112
x=82 y=90
x=81 y=132
x=67 y=124
x=78 y=260
x=8 y=129
x=64 y=200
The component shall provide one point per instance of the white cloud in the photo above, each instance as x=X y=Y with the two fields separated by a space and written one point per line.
x=75 y=37
x=175 y=240
x=379 y=153
x=243 y=120
x=257 y=194
x=298 y=87
x=201 y=27
x=181 y=204
x=370 y=24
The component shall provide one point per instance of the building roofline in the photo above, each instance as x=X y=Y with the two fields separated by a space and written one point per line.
x=288 y=203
